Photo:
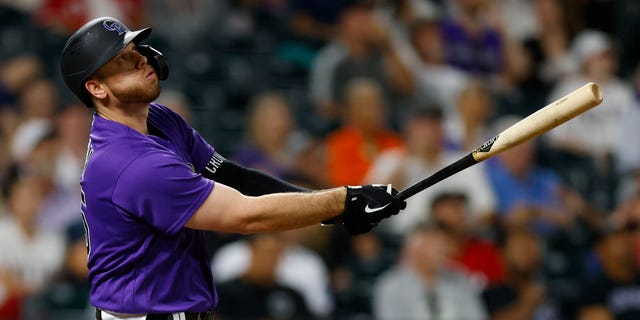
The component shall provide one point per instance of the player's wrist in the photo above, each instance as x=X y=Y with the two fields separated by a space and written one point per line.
x=340 y=202
x=341 y=196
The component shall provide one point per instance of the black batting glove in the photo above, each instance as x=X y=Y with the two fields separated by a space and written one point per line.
x=366 y=206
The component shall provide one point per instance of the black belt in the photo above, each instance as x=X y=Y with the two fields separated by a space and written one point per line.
x=169 y=316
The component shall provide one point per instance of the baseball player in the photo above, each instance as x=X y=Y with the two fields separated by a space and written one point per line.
x=152 y=186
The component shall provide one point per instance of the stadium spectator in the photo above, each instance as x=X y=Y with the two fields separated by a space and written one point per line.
x=436 y=80
x=15 y=75
x=399 y=16
x=297 y=267
x=583 y=154
x=257 y=293
x=59 y=208
x=354 y=279
x=269 y=133
x=475 y=44
x=352 y=148
x=72 y=125
x=474 y=252
x=517 y=17
x=594 y=53
x=521 y=295
x=628 y=214
x=37 y=103
x=507 y=85
x=362 y=48
x=67 y=294
x=626 y=155
x=469 y=125
x=316 y=19
x=617 y=285
x=529 y=195
x=424 y=286
x=549 y=50
x=31 y=256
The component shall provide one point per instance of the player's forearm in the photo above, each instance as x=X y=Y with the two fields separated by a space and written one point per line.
x=285 y=211
x=227 y=210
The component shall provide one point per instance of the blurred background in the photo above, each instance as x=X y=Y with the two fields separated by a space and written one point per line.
x=326 y=93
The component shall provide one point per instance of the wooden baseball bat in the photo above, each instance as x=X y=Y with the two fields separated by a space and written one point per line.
x=543 y=120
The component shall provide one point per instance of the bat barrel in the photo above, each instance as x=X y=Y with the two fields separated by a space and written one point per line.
x=543 y=120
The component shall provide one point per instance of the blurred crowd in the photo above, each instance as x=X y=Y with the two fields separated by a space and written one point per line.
x=326 y=93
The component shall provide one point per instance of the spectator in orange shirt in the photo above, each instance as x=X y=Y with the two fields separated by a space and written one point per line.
x=364 y=134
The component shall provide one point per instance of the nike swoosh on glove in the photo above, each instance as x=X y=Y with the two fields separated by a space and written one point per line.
x=367 y=205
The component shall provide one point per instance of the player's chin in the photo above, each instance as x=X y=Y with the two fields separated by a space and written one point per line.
x=152 y=85
x=151 y=93
x=154 y=92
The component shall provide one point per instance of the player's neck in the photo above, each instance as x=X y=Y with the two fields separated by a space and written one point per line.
x=134 y=117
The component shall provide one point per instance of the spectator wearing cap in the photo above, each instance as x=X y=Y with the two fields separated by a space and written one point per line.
x=586 y=144
x=424 y=152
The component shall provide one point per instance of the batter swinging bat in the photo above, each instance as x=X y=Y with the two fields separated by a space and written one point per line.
x=541 y=121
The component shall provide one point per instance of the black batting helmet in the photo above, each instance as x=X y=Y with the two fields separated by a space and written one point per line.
x=94 y=44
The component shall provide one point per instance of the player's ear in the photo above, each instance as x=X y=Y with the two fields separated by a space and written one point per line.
x=96 y=88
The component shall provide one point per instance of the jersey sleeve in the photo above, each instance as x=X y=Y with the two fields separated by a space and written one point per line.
x=200 y=151
x=161 y=190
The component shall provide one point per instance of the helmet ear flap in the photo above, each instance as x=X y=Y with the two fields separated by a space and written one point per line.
x=156 y=60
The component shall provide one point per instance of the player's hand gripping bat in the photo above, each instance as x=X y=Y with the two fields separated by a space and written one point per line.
x=539 y=122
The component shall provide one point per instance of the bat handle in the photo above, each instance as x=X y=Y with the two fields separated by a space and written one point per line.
x=461 y=164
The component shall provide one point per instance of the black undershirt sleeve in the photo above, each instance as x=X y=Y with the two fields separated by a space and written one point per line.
x=248 y=181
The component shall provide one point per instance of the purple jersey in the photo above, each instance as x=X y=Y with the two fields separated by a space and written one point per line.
x=138 y=192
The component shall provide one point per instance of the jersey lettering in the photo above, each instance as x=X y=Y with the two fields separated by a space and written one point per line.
x=214 y=163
